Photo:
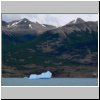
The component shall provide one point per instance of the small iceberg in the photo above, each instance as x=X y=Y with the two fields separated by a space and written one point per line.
x=45 y=75
x=25 y=77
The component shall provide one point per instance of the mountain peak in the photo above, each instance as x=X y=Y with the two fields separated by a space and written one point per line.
x=4 y=23
x=77 y=21
x=25 y=20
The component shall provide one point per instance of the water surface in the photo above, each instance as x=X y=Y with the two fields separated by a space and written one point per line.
x=49 y=82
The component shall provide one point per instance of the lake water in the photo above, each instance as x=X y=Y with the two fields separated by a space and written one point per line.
x=49 y=82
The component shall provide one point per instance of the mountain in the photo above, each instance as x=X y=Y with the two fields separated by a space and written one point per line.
x=24 y=29
x=76 y=43
x=4 y=23
x=67 y=51
x=64 y=31
x=25 y=26
x=77 y=21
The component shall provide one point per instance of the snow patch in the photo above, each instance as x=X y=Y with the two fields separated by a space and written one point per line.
x=15 y=23
x=43 y=25
x=30 y=25
x=8 y=26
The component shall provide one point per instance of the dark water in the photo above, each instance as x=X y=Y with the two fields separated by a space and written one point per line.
x=49 y=82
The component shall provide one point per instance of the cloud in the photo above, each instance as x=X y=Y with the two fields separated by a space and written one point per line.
x=52 y=19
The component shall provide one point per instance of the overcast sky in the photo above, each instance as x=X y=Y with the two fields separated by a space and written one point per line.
x=52 y=19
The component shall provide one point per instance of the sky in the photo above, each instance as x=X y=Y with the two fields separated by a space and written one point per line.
x=51 y=19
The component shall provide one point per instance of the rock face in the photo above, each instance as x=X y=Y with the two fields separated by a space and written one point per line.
x=4 y=23
x=45 y=75
x=77 y=21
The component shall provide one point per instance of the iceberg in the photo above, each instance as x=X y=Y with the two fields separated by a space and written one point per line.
x=25 y=77
x=44 y=75
x=33 y=76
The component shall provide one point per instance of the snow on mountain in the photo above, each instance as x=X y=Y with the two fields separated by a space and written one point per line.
x=43 y=25
x=30 y=25
x=25 y=26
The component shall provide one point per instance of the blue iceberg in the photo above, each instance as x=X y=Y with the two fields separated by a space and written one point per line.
x=44 y=75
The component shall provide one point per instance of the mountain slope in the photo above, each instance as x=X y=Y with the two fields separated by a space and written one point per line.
x=25 y=26
x=24 y=30
x=58 y=50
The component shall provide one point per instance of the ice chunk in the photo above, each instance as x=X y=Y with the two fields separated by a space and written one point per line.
x=44 y=75
x=25 y=77
x=47 y=74
x=33 y=76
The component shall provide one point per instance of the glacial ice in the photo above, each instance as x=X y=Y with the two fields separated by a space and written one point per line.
x=44 y=75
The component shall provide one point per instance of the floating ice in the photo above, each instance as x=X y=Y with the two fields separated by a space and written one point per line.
x=25 y=77
x=44 y=75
